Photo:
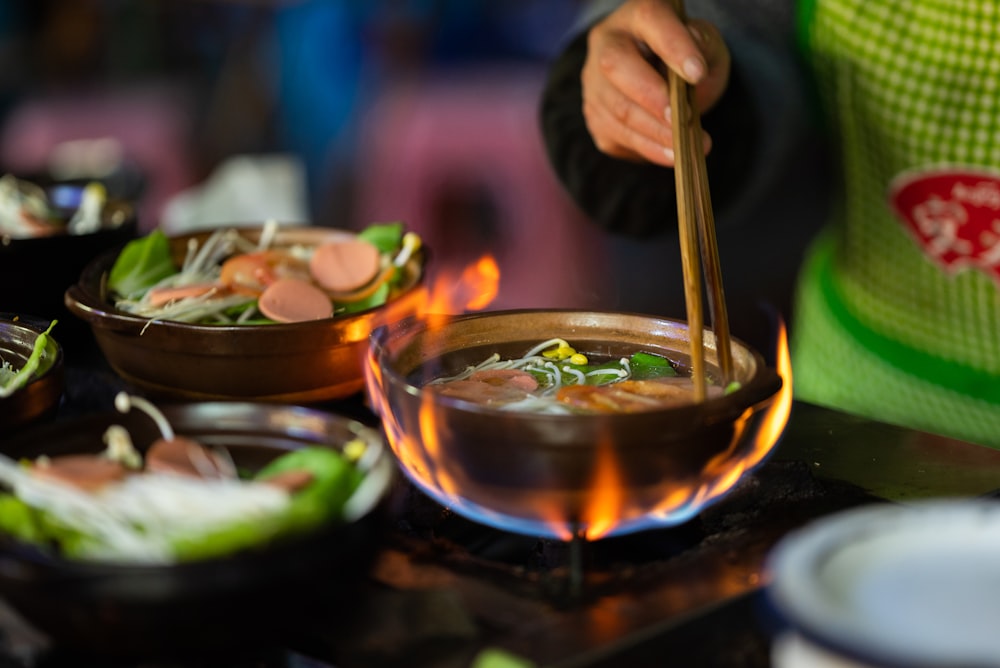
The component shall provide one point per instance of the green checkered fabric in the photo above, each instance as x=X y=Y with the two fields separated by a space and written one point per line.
x=881 y=329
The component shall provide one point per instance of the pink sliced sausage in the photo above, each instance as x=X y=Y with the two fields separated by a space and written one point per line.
x=291 y=481
x=294 y=300
x=522 y=380
x=87 y=472
x=343 y=266
x=161 y=296
x=491 y=386
x=183 y=456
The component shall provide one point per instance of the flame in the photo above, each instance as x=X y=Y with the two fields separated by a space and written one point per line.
x=607 y=505
x=776 y=418
x=606 y=509
x=472 y=289
x=606 y=499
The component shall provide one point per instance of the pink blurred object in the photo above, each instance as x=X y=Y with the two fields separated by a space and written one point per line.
x=447 y=154
x=151 y=126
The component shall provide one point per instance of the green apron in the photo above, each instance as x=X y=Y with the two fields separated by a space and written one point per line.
x=898 y=312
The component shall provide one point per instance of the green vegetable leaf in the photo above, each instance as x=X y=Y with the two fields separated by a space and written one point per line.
x=232 y=538
x=31 y=365
x=387 y=237
x=18 y=519
x=647 y=365
x=334 y=480
x=142 y=263
x=23 y=522
x=377 y=298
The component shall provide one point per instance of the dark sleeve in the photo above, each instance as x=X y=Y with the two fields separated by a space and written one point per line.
x=632 y=198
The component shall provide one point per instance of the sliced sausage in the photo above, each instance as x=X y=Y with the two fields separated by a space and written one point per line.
x=184 y=456
x=522 y=380
x=294 y=300
x=343 y=266
x=87 y=472
x=165 y=295
x=291 y=481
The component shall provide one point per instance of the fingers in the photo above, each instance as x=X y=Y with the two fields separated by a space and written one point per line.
x=629 y=133
x=625 y=100
x=717 y=55
x=626 y=96
x=656 y=24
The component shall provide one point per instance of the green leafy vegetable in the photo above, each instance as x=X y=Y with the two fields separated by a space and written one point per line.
x=334 y=479
x=387 y=237
x=18 y=519
x=647 y=365
x=142 y=263
x=11 y=382
x=377 y=298
x=322 y=500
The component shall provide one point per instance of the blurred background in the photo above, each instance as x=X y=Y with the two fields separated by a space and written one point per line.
x=335 y=113
x=345 y=113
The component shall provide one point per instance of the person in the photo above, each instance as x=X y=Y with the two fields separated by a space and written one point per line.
x=896 y=311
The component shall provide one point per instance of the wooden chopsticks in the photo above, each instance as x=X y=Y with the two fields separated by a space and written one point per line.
x=696 y=225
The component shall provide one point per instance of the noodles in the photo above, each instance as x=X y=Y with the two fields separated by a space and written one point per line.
x=553 y=378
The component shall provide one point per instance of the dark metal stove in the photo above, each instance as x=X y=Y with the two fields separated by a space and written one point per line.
x=444 y=589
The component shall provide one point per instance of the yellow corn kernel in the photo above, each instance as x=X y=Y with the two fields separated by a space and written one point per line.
x=354 y=448
x=560 y=353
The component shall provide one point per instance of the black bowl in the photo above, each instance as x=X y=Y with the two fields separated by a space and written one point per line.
x=36 y=271
x=249 y=599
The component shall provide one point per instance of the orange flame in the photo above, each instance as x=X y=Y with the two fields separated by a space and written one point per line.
x=603 y=509
x=472 y=289
x=777 y=417
x=607 y=504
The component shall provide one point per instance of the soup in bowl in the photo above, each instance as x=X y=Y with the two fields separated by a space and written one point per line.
x=602 y=461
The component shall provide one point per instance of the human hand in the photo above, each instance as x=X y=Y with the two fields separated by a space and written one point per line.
x=626 y=99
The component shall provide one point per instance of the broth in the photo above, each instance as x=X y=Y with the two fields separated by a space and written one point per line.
x=557 y=377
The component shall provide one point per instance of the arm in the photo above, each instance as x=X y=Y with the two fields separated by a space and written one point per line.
x=754 y=121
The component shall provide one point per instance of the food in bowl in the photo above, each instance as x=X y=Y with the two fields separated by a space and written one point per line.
x=571 y=472
x=28 y=210
x=178 y=501
x=552 y=377
x=251 y=597
x=14 y=378
x=241 y=354
x=72 y=222
x=229 y=279
x=32 y=374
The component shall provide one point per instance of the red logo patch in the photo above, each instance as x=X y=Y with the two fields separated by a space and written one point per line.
x=954 y=214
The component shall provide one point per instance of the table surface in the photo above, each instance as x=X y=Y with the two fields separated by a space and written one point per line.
x=884 y=461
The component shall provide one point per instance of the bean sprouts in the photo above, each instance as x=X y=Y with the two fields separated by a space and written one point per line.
x=551 y=362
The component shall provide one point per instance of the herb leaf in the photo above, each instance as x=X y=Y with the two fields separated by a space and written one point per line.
x=142 y=263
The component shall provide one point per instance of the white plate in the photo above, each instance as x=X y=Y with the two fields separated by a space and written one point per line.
x=893 y=585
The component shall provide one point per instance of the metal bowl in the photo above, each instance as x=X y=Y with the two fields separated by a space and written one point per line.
x=39 y=399
x=549 y=475
x=242 y=601
x=302 y=362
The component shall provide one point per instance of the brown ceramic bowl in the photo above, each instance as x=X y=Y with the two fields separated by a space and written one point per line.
x=243 y=601
x=545 y=474
x=302 y=362
x=39 y=399
x=42 y=268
